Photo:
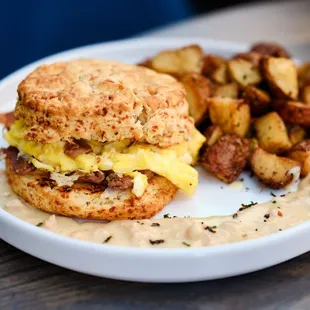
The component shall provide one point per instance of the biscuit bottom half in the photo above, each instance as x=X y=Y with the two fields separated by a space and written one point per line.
x=91 y=201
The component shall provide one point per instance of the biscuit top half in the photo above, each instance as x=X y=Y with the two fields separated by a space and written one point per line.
x=103 y=101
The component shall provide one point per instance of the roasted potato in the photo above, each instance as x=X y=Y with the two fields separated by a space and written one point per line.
x=212 y=134
x=252 y=57
x=281 y=75
x=304 y=75
x=253 y=143
x=305 y=94
x=270 y=49
x=244 y=72
x=232 y=115
x=230 y=90
x=197 y=92
x=226 y=158
x=271 y=133
x=301 y=153
x=215 y=68
x=296 y=134
x=293 y=112
x=272 y=170
x=179 y=61
x=257 y=99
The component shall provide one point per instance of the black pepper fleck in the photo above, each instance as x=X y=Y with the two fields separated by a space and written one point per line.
x=159 y=241
x=107 y=240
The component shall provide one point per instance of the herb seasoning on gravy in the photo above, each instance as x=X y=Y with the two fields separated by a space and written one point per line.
x=252 y=221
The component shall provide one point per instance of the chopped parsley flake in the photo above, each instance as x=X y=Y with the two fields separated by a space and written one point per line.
x=274 y=201
x=211 y=229
x=185 y=243
x=272 y=194
x=39 y=224
x=267 y=216
x=167 y=216
x=246 y=206
x=235 y=215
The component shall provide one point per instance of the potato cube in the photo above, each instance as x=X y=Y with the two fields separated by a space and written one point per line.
x=272 y=170
x=197 y=93
x=244 y=72
x=271 y=133
x=179 y=61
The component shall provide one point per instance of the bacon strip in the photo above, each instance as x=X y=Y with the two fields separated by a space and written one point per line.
x=7 y=119
x=19 y=164
x=77 y=148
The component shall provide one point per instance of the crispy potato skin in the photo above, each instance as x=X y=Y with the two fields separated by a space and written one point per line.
x=212 y=134
x=179 y=61
x=258 y=100
x=293 y=112
x=244 y=72
x=197 y=93
x=305 y=94
x=270 y=49
x=215 y=68
x=304 y=74
x=301 y=153
x=281 y=75
x=226 y=158
x=271 y=133
x=252 y=57
x=272 y=170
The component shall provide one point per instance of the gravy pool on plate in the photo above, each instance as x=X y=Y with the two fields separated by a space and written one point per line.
x=253 y=221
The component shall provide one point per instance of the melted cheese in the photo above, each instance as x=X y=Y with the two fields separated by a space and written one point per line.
x=172 y=163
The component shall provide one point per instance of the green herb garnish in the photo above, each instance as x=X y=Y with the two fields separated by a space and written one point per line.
x=107 y=240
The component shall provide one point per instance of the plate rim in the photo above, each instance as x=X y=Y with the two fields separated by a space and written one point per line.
x=271 y=240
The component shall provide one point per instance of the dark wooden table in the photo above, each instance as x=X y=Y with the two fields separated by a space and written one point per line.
x=29 y=283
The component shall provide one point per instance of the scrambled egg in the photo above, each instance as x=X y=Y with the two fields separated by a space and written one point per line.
x=172 y=163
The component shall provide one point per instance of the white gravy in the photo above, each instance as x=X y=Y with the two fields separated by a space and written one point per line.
x=253 y=222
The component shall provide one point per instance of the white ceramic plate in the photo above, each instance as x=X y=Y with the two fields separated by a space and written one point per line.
x=212 y=198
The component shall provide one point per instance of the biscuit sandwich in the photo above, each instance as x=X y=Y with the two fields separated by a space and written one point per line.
x=101 y=140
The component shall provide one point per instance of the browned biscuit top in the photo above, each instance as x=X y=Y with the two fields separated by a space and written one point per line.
x=104 y=101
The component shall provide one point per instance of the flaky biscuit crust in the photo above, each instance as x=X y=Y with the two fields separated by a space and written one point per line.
x=92 y=203
x=104 y=101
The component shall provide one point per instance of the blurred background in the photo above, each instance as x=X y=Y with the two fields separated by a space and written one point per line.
x=34 y=29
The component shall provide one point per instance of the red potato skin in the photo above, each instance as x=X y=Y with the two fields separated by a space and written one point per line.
x=270 y=49
x=293 y=114
x=226 y=158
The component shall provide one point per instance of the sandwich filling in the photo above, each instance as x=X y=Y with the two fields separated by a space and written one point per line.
x=125 y=163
